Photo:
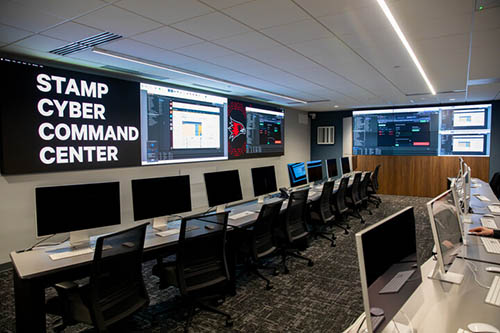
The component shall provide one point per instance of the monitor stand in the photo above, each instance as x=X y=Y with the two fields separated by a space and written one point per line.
x=161 y=223
x=261 y=199
x=79 y=239
x=220 y=209
x=450 y=277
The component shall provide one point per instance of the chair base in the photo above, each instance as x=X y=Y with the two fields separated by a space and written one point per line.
x=293 y=253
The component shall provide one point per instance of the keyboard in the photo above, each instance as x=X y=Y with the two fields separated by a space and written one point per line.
x=495 y=209
x=170 y=232
x=461 y=330
x=491 y=245
x=241 y=215
x=493 y=296
x=396 y=282
x=70 y=254
x=488 y=222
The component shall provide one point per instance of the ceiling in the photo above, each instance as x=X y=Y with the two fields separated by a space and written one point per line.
x=336 y=54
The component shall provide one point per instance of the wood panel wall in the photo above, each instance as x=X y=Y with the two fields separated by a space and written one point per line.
x=422 y=176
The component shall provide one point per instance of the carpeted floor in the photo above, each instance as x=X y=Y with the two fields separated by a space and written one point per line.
x=323 y=298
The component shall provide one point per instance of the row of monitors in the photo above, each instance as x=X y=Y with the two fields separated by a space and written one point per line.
x=69 y=208
x=297 y=171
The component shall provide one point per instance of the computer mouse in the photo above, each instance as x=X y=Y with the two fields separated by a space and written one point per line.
x=376 y=312
x=493 y=269
x=488 y=215
x=128 y=244
x=482 y=328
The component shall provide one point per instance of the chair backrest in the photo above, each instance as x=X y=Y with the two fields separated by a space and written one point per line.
x=263 y=242
x=116 y=284
x=325 y=206
x=495 y=183
x=201 y=253
x=295 y=217
x=339 y=196
x=363 y=188
x=374 y=179
x=355 y=187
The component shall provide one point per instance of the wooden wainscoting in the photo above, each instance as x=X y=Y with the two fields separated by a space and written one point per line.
x=422 y=176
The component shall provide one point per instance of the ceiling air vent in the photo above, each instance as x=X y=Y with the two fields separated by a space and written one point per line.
x=86 y=43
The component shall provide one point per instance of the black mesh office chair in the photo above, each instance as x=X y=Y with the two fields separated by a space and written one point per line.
x=115 y=289
x=339 y=204
x=353 y=199
x=260 y=241
x=292 y=233
x=363 y=192
x=322 y=215
x=200 y=270
x=373 y=188
x=495 y=184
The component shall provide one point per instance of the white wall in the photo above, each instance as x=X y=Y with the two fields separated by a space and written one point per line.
x=17 y=217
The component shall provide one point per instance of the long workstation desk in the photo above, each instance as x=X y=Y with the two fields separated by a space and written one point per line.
x=34 y=271
x=438 y=306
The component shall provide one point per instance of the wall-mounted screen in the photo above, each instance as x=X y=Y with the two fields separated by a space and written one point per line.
x=443 y=130
x=254 y=130
x=181 y=126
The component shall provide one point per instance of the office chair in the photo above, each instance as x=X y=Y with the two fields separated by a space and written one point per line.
x=363 y=192
x=200 y=270
x=260 y=239
x=321 y=214
x=495 y=184
x=373 y=188
x=339 y=204
x=353 y=199
x=292 y=233
x=115 y=289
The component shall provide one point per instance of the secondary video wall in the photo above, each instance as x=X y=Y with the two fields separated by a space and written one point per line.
x=436 y=131
x=58 y=120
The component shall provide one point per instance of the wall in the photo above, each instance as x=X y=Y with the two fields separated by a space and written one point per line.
x=495 y=139
x=17 y=202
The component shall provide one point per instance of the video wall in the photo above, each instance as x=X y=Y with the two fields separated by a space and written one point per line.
x=58 y=120
x=441 y=131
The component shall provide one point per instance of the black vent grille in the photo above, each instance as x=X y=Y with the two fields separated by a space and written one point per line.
x=86 y=43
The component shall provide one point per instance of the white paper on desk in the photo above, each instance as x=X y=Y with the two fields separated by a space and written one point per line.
x=483 y=198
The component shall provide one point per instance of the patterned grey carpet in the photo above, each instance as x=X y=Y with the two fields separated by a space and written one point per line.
x=323 y=298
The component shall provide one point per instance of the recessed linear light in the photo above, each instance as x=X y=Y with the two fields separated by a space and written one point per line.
x=188 y=73
x=403 y=39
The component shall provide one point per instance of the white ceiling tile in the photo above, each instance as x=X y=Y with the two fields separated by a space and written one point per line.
x=262 y=14
x=247 y=41
x=319 y=8
x=281 y=57
x=41 y=43
x=10 y=34
x=144 y=51
x=167 y=38
x=484 y=92
x=452 y=97
x=211 y=26
x=71 y=32
x=297 y=32
x=26 y=17
x=485 y=62
x=429 y=9
x=117 y=20
x=487 y=19
x=221 y=4
x=65 y=8
x=205 y=51
x=166 y=11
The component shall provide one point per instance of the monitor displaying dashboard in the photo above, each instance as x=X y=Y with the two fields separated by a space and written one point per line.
x=435 y=131
x=68 y=208
x=297 y=174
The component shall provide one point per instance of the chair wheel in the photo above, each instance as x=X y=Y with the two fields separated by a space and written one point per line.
x=276 y=272
x=348 y=227
x=229 y=323
x=310 y=263
x=269 y=287
x=286 y=271
x=333 y=244
x=346 y=232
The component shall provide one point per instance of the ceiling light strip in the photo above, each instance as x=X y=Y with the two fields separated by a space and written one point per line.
x=188 y=73
x=403 y=39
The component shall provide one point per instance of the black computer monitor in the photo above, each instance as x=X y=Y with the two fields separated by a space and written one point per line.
x=297 y=174
x=387 y=250
x=314 y=170
x=346 y=168
x=157 y=197
x=331 y=166
x=223 y=187
x=264 y=180
x=70 y=208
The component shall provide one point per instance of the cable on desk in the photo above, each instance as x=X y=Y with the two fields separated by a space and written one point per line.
x=474 y=274
x=33 y=246
x=407 y=319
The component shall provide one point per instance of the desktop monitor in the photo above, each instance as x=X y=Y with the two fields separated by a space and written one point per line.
x=331 y=166
x=223 y=187
x=74 y=208
x=386 y=251
x=447 y=234
x=264 y=180
x=315 y=171
x=297 y=174
x=346 y=168
x=158 y=197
